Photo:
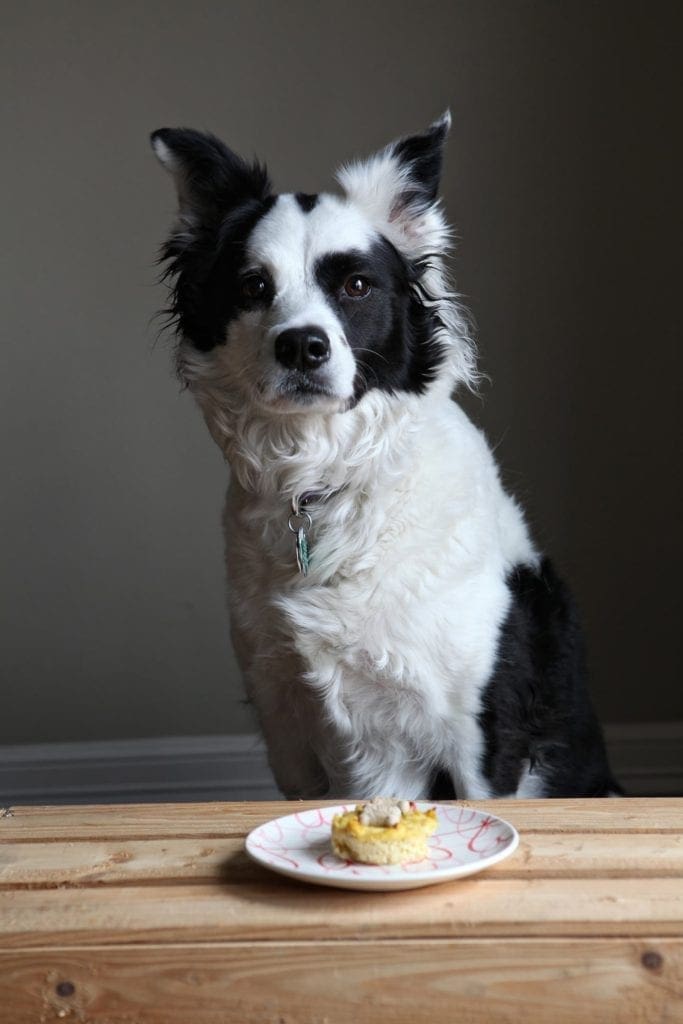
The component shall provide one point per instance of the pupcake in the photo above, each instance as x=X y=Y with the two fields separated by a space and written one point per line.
x=383 y=831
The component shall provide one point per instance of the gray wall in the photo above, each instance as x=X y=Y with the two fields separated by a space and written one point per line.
x=563 y=178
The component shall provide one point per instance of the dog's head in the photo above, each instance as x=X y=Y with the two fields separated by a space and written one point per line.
x=296 y=303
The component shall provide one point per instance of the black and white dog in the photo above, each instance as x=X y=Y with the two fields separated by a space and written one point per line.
x=398 y=631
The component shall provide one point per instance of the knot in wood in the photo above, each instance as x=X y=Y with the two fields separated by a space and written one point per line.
x=652 y=960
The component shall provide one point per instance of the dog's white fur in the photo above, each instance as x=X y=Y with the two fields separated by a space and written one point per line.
x=382 y=651
x=369 y=670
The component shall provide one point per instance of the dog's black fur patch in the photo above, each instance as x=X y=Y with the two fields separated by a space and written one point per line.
x=441 y=786
x=225 y=198
x=206 y=294
x=392 y=334
x=536 y=707
x=306 y=201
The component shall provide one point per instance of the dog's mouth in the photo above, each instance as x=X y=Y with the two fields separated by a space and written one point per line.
x=298 y=389
x=300 y=384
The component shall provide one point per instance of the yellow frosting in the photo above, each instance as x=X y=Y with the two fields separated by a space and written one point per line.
x=411 y=825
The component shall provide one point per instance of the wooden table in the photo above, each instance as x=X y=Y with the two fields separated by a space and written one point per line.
x=154 y=915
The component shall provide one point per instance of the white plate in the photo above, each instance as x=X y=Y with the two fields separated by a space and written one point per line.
x=465 y=841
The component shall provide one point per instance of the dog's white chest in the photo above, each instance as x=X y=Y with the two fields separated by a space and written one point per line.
x=402 y=638
x=377 y=660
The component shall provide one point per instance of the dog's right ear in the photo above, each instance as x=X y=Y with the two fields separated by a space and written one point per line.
x=210 y=179
x=397 y=189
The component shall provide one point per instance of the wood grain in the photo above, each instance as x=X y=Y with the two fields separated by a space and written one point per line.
x=566 y=981
x=477 y=906
x=219 y=820
x=127 y=862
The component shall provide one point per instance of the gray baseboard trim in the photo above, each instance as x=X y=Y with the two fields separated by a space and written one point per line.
x=646 y=758
x=152 y=769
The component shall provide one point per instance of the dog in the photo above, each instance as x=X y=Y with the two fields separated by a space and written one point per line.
x=398 y=630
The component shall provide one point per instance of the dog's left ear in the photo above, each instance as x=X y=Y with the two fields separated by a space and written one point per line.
x=397 y=189
x=209 y=178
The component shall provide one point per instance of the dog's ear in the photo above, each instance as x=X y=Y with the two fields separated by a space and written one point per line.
x=397 y=189
x=210 y=179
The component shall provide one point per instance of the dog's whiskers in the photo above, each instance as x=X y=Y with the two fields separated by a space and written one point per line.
x=373 y=352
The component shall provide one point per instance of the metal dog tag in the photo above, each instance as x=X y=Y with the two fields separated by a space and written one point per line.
x=302 y=555
x=300 y=523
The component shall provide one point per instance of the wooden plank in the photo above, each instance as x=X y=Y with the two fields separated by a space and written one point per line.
x=218 y=820
x=479 y=906
x=541 y=855
x=567 y=981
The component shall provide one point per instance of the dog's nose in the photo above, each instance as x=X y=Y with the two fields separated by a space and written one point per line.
x=302 y=348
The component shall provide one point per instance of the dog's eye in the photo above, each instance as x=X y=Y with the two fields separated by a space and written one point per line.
x=357 y=287
x=253 y=287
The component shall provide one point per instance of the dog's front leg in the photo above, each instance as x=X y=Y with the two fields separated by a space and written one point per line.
x=377 y=773
x=291 y=730
x=298 y=771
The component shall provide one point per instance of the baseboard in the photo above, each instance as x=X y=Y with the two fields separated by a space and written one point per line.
x=153 y=769
x=646 y=758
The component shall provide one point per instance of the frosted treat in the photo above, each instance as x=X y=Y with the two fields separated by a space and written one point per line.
x=383 y=831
